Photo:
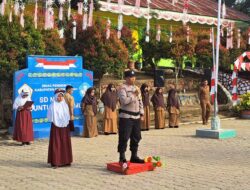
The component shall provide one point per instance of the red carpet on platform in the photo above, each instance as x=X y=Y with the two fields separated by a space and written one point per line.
x=133 y=168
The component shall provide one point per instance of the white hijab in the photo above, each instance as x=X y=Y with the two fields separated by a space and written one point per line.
x=58 y=112
x=20 y=101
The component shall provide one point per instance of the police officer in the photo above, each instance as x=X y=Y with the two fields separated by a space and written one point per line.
x=130 y=115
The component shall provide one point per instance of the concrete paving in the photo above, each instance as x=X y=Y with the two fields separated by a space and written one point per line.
x=191 y=163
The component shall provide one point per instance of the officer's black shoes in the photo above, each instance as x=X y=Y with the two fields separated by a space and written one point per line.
x=137 y=160
x=123 y=164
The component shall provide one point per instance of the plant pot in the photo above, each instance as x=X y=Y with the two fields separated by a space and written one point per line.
x=245 y=114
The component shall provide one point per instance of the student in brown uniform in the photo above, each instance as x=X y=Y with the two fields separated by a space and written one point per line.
x=23 y=130
x=159 y=107
x=89 y=110
x=69 y=99
x=145 y=99
x=173 y=108
x=60 y=149
x=110 y=99
x=204 y=95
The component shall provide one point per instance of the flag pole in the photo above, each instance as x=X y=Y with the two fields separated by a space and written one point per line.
x=215 y=124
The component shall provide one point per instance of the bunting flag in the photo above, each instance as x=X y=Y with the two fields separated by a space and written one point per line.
x=85 y=16
x=80 y=8
x=49 y=15
x=69 y=9
x=148 y=22
x=238 y=65
x=158 y=34
x=171 y=35
x=185 y=11
x=22 y=7
x=61 y=32
x=35 y=15
x=224 y=11
x=3 y=7
x=188 y=34
x=138 y=4
x=222 y=32
x=74 y=29
x=210 y=36
x=91 y=9
x=229 y=38
x=61 y=3
x=238 y=38
x=212 y=91
x=120 y=26
x=108 y=25
x=16 y=8
x=10 y=14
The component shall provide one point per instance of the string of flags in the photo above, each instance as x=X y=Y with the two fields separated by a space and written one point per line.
x=86 y=8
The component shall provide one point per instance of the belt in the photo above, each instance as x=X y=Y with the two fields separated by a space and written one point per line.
x=129 y=112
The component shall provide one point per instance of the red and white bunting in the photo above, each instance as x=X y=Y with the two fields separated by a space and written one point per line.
x=210 y=36
x=91 y=9
x=16 y=8
x=22 y=7
x=85 y=16
x=74 y=30
x=171 y=35
x=249 y=36
x=224 y=10
x=3 y=7
x=238 y=65
x=10 y=14
x=120 y=26
x=69 y=9
x=185 y=11
x=188 y=34
x=61 y=3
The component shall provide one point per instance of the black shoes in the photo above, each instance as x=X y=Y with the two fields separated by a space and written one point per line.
x=137 y=160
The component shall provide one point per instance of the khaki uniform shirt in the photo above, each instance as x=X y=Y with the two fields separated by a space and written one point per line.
x=129 y=101
x=204 y=94
x=70 y=101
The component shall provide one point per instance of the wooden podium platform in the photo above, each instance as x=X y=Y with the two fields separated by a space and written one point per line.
x=133 y=168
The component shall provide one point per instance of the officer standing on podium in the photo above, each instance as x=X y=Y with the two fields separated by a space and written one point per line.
x=130 y=116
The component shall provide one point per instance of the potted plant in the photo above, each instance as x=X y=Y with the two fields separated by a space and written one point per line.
x=243 y=108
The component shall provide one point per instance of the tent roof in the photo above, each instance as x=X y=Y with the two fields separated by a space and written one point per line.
x=196 y=7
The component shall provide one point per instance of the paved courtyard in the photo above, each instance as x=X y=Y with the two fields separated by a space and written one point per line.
x=191 y=163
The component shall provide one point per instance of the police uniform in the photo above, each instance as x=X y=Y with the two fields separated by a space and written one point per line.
x=130 y=113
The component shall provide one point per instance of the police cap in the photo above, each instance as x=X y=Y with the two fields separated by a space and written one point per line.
x=129 y=74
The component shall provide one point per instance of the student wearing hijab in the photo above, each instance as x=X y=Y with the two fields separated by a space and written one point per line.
x=145 y=100
x=60 y=149
x=159 y=107
x=23 y=130
x=89 y=110
x=173 y=108
x=110 y=99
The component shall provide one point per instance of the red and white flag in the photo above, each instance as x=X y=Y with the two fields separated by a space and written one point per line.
x=212 y=91
x=35 y=15
x=46 y=64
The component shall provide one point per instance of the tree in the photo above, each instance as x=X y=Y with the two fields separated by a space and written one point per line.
x=100 y=55
x=153 y=50
x=203 y=50
x=181 y=48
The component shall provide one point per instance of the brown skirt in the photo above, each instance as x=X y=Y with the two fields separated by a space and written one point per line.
x=159 y=118
x=110 y=121
x=60 y=150
x=90 y=127
x=23 y=131
x=174 y=115
x=145 y=124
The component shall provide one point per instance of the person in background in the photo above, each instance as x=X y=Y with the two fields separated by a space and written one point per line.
x=89 y=110
x=69 y=99
x=145 y=124
x=60 y=149
x=130 y=116
x=110 y=99
x=204 y=96
x=23 y=130
x=159 y=107
x=173 y=108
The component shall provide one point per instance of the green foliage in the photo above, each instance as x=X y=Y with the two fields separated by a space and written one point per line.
x=203 y=50
x=100 y=55
x=53 y=44
x=244 y=103
x=153 y=50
